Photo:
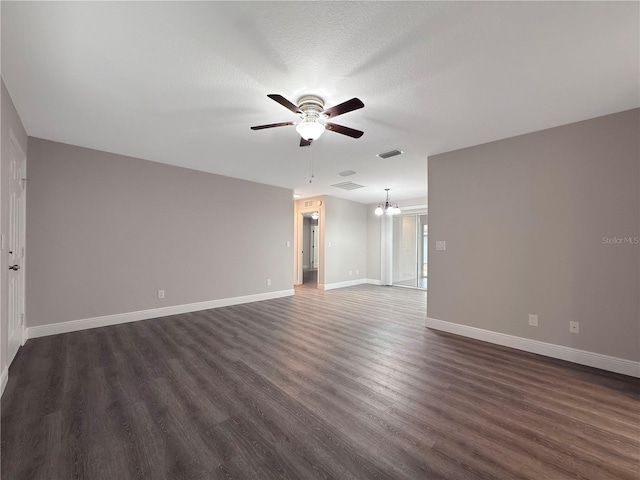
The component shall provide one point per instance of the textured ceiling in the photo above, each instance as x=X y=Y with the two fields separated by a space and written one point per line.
x=182 y=82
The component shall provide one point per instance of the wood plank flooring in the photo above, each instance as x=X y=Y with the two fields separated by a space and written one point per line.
x=343 y=384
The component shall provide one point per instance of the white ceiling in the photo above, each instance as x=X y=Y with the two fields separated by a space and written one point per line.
x=182 y=82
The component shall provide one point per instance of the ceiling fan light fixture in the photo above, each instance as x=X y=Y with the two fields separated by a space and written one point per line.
x=310 y=129
x=313 y=115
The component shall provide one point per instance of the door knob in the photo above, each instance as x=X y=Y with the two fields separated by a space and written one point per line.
x=15 y=268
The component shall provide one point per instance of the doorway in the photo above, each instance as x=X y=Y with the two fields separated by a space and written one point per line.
x=310 y=248
x=410 y=241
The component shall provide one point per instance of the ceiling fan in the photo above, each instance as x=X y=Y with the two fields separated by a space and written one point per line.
x=313 y=117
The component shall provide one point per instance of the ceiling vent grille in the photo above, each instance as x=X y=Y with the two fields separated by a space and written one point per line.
x=346 y=173
x=389 y=154
x=347 y=185
x=308 y=203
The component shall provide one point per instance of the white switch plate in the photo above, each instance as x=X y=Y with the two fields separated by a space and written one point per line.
x=574 y=327
x=357 y=272
x=441 y=245
x=288 y=243
x=533 y=320
x=160 y=293
x=268 y=281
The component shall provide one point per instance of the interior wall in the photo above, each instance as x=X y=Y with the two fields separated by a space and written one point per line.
x=105 y=232
x=345 y=241
x=10 y=122
x=547 y=224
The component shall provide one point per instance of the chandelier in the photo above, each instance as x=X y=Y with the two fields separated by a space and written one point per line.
x=387 y=207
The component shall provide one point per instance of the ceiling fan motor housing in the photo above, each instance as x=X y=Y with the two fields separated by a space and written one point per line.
x=310 y=106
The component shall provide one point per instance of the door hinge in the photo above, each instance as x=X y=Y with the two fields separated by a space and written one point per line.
x=22 y=319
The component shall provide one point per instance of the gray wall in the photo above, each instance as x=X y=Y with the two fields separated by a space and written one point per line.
x=524 y=220
x=105 y=232
x=10 y=122
x=345 y=240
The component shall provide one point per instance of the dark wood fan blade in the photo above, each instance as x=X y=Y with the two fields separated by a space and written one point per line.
x=284 y=102
x=305 y=143
x=348 y=106
x=271 y=125
x=350 y=132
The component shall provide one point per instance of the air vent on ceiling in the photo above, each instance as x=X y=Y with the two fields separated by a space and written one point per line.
x=347 y=185
x=392 y=153
x=308 y=203
x=346 y=173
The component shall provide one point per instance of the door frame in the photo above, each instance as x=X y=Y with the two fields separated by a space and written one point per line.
x=318 y=206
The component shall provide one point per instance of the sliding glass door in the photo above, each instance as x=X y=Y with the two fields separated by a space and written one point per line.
x=410 y=233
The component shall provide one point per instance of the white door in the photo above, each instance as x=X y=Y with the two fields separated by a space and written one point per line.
x=15 y=246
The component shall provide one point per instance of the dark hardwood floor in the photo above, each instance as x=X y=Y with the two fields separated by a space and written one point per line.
x=343 y=384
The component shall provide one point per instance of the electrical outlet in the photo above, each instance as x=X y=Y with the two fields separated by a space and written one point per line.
x=268 y=281
x=357 y=272
x=160 y=293
x=574 y=327
x=441 y=245
x=533 y=320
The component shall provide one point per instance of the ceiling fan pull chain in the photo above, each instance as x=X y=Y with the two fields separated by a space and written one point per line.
x=311 y=174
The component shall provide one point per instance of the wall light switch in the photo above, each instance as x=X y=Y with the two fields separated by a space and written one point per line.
x=160 y=293
x=441 y=245
x=533 y=320
x=288 y=243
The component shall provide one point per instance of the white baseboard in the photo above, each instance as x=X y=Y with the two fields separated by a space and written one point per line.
x=372 y=281
x=86 y=323
x=349 y=283
x=582 y=357
x=4 y=377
